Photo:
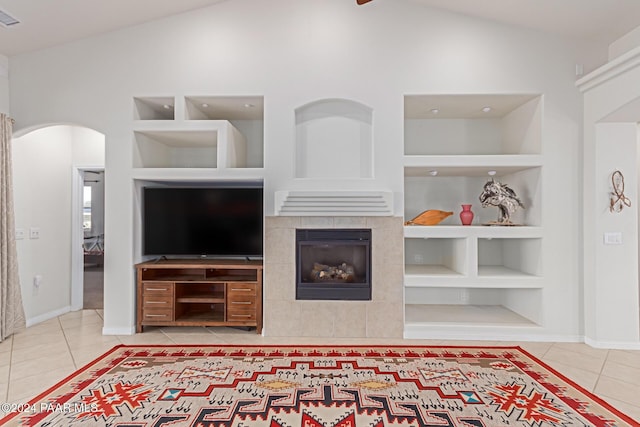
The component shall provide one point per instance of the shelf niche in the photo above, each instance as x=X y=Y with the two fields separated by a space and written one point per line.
x=500 y=258
x=461 y=127
x=334 y=139
x=477 y=306
x=175 y=149
x=245 y=113
x=154 y=108
x=448 y=193
x=436 y=257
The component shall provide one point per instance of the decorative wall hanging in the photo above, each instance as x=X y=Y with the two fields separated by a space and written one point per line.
x=503 y=197
x=618 y=199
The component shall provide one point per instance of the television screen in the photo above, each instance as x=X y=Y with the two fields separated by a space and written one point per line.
x=202 y=221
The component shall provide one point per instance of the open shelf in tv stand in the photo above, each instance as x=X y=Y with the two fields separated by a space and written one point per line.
x=180 y=292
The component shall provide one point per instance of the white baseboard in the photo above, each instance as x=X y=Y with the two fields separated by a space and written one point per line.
x=47 y=316
x=485 y=334
x=119 y=331
x=613 y=345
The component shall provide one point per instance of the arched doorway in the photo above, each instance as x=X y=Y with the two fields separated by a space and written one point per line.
x=46 y=164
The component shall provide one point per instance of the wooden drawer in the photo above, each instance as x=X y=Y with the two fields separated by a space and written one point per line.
x=241 y=289
x=157 y=301
x=241 y=316
x=241 y=303
x=157 y=289
x=157 y=315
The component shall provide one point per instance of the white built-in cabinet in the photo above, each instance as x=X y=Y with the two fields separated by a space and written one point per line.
x=477 y=280
x=197 y=137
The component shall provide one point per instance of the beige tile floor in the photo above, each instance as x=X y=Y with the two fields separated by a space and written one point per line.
x=40 y=356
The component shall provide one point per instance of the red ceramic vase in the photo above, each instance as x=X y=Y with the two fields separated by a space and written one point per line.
x=466 y=216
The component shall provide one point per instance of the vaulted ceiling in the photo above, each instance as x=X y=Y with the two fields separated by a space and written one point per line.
x=45 y=23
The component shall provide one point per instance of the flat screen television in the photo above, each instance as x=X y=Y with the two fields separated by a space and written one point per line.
x=221 y=221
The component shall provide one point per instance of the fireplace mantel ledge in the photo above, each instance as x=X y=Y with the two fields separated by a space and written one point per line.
x=333 y=203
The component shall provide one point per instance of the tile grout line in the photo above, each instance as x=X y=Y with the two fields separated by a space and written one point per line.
x=595 y=386
x=66 y=340
x=625 y=364
x=547 y=351
x=6 y=396
x=167 y=335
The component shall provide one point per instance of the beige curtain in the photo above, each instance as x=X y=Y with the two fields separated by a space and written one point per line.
x=11 y=311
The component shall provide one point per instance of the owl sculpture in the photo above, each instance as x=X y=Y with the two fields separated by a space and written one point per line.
x=501 y=196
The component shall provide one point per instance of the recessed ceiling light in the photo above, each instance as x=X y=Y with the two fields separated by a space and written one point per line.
x=435 y=111
x=486 y=109
x=433 y=172
x=491 y=173
x=167 y=107
x=249 y=105
x=205 y=105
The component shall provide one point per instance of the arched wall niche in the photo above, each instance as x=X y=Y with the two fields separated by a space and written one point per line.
x=334 y=139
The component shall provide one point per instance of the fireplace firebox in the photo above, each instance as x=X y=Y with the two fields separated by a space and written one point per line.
x=333 y=264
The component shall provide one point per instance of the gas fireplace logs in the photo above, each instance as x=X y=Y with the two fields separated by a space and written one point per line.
x=340 y=273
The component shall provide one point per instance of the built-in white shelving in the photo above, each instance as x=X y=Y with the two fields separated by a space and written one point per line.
x=469 y=165
x=196 y=132
x=213 y=144
x=198 y=174
x=473 y=256
x=467 y=321
x=478 y=281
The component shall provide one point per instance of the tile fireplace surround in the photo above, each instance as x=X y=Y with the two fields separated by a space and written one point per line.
x=382 y=317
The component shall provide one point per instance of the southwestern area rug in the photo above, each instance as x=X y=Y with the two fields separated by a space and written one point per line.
x=319 y=386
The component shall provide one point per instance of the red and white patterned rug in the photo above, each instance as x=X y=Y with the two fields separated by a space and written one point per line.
x=319 y=386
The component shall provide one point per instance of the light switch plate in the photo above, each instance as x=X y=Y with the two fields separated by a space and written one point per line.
x=614 y=238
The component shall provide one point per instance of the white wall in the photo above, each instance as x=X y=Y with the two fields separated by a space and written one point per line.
x=4 y=84
x=617 y=315
x=624 y=44
x=293 y=53
x=42 y=167
x=611 y=114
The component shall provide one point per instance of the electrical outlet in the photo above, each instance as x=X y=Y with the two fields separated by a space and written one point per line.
x=34 y=233
x=37 y=281
x=418 y=259
x=20 y=233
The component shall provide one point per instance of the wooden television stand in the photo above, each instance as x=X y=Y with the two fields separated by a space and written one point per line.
x=199 y=292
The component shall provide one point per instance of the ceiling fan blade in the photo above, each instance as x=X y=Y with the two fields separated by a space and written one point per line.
x=362 y=1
